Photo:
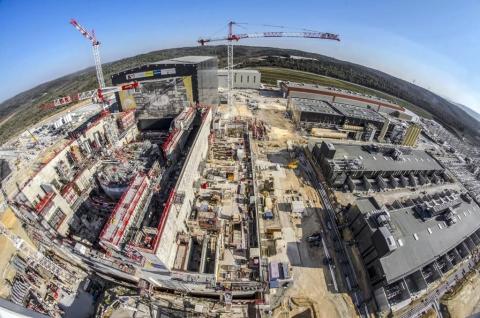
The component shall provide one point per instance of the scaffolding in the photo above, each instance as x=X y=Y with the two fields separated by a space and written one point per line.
x=34 y=257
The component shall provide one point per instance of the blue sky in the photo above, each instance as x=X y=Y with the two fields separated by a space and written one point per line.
x=435 y=43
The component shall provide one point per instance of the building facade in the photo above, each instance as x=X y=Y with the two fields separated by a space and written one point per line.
x=355 y=166
x=411 y=135
x=356 y=122
x=55 y=191
x=198 y=74
x=336 y=95
x=407 y=246
x=248 y=79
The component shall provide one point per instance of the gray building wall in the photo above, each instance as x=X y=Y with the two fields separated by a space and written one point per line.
x=248 y=79
x=397 y=292
x=208 y=81
x=335 y=171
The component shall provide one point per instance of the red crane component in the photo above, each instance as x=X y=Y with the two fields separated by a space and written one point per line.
x=101 y=92
x=96 y=94
x=85 y=33
x=232 y=37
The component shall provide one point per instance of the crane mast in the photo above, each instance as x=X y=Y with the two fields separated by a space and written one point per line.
x=231 y=38
x=230 y=64
x=96 y=51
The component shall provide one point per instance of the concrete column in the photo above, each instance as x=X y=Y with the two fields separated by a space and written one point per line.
x=471 y=245
x=475 y=238
x=203 y=258
x=477 y=233
x=462 y=250
x=423 y=277
x=381 y=299
x=404 y=181
x=393 y=182
x=187 y=254
x=420 y=280
x=437 y=268
x=464 y=244
x=366 y=183
x=449 y=264
x=406 y=288
x=457 y=255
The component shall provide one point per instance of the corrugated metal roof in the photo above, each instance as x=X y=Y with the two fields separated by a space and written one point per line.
x=191 y=59
x=314 y=106
x=352 y=111
x=413 y=160
x=239 y=71
x=434 y=237
x=416 y=253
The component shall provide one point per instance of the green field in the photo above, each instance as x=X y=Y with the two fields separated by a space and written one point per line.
x=270 y=75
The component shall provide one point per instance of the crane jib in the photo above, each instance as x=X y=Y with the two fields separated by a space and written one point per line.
x=232 y=38
x=315 y=35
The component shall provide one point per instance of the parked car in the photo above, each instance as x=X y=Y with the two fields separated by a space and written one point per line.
x=314 y=237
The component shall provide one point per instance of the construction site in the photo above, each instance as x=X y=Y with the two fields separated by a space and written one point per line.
x=183 y=189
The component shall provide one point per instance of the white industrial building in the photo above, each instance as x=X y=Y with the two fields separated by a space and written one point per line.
x=241 y=79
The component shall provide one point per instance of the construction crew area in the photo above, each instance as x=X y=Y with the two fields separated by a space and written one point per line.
x=285 y=198
x=200 y=186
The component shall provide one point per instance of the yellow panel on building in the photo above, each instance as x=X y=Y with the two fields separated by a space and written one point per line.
x=412 y=134
x=127 y=100
x=187 y=82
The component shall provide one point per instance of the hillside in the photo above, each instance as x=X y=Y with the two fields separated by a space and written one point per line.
x=469 y=111
x=25 y=105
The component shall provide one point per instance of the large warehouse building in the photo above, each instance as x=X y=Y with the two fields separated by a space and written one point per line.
x=201 y=69
x=357 y=122
x=341 y=121
x=356 y=166
x=411 y=244
x=336 y=95
x=168 y=87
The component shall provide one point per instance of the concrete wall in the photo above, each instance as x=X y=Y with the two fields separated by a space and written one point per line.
x=33 y=190
x=48 y=174
x=249 y=79
x=323 y=93
x=176 y=223
x=326 y=98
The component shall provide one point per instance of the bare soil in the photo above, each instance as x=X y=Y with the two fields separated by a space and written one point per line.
x=466 y=300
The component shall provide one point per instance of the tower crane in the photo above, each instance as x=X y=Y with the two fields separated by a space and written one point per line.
x=96 y=52
x=232 y=38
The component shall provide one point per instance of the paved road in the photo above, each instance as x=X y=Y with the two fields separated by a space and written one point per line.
x=348 y=270
x=433 y=298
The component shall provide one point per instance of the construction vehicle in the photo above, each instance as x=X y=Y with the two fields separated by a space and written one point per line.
x=293 y=164
x=231 y=38
x=33 y=136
